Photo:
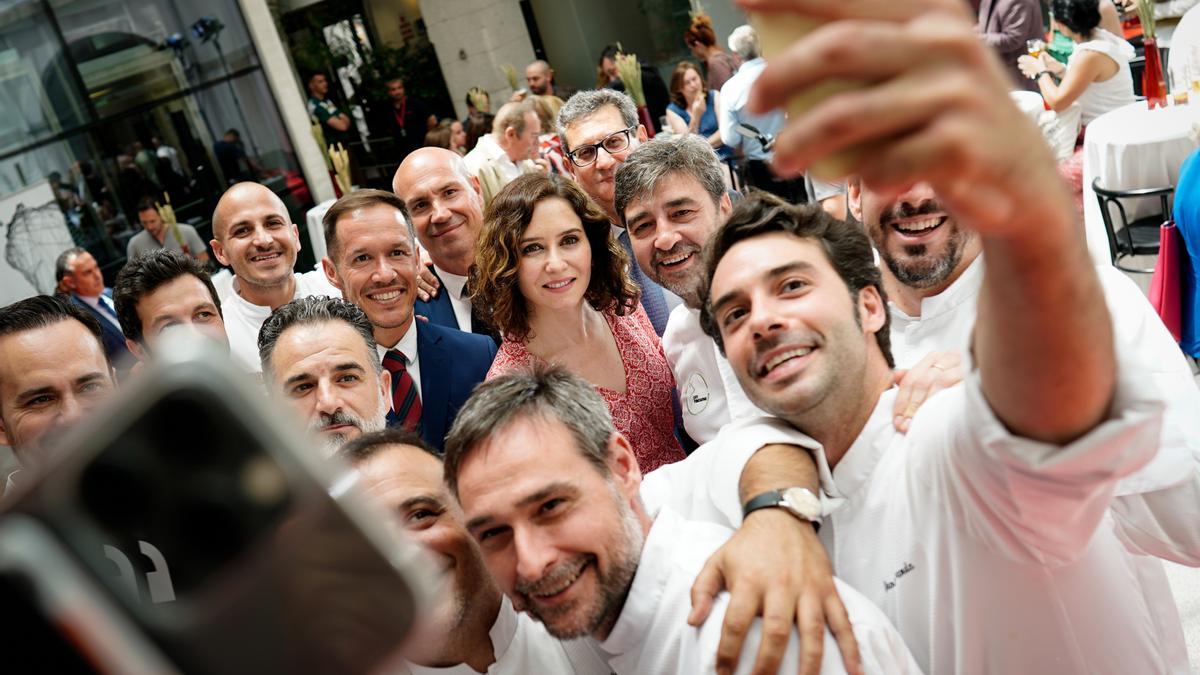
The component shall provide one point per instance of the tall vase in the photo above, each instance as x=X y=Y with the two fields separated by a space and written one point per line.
x=646 y=120
x=1154 y=86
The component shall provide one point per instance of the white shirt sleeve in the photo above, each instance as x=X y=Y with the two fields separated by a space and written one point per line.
x=726 y=119
x=704 y=486
x=1028 y=500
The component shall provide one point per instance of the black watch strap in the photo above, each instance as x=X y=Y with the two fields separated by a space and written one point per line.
x=766 y=500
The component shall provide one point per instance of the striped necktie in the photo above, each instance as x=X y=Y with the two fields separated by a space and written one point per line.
x=406 y=402
x=653 y=300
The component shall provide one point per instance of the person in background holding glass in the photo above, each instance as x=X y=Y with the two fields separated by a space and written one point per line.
x=552 y=278
x=693 y=110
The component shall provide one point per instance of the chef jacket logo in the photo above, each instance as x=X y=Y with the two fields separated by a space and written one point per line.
x=695 y=394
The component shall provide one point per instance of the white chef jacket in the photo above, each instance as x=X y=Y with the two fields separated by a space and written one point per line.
x=523 y=647
x=990 y=553
x=709 y=393
x=1156 y=508
x=243 y=320
x=652 y=636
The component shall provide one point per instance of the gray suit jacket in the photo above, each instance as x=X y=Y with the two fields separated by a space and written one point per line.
x=1006 y=25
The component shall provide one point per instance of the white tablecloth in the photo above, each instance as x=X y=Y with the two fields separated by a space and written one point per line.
x=1128 y=148
x=316 y=231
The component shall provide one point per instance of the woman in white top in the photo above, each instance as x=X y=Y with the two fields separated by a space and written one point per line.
x=1097 y=75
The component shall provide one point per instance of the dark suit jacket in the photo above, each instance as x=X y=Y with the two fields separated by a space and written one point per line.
x=112 y=337
x=452 y=363
x=438 y=310
x=1006 y=25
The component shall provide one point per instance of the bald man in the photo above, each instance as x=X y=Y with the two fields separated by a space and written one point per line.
x=253 y=234
x=445 y=206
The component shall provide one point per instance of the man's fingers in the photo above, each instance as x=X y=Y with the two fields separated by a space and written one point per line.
x=776 y=628
x=843 y=632
x=811 y=619
x=708 y=583
x=885 y=10
x=738 y=616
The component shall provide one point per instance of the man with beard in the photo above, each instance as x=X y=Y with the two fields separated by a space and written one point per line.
x=318 y=357
x=933 y=274
x=550 y=490
x=253 y=234
x=474 y=628
x=599 y=129
x=372 y=260
x=53 y=372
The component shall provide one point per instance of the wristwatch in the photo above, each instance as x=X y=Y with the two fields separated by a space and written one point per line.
x=798 y=501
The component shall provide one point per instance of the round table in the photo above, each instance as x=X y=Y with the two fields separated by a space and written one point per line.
x=1133 y=147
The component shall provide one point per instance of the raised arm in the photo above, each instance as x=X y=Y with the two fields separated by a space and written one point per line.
x=941 y=113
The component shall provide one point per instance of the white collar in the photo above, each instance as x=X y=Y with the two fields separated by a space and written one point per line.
x=645 y=592
x=455 y=283
x=503 y=630
x=856 y=466
x=407 y=344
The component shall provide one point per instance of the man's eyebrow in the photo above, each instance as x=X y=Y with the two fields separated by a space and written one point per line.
x=557 y=487
x=300 y=377
x=41 y=391
x=773 y=273
x=419 y=499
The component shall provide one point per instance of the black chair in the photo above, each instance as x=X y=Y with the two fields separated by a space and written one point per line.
x=1139 y=237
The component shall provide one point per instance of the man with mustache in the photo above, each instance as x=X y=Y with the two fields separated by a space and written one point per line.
x=318 y=357
x=550 y=490
x=473 y=628
x=992 y=509
x=253 y=234
x=372 y=259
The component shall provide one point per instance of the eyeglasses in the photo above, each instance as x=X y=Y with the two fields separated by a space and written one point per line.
x=617 y=141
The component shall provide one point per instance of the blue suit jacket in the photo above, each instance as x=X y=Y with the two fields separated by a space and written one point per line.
x=452 y=363
x=112 y=337
x=438 y=310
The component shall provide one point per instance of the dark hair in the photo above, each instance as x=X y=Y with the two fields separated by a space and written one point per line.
x=359 y=199
x=62 y=265
x=369 y=444
x=147 y=204
x=233 y=132
x=1078 y=16
x=143 y=275
x=41 y=311
x=700 y=30
x=478 y=126
x=609 y=52
x=311 y=310
x=439 y=136
x=677 y=82
x=846 y=246
x=495 y=293
x=547 y=392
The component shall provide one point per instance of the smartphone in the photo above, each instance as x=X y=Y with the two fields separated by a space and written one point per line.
x=777 y=32
x=223 y=539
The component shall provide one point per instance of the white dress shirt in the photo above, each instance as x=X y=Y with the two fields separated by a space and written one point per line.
x=709 y=393
x=109 y=311
x=652 y=636
x=455 y=285
x=244 y=320
x=990 y=553
x=488 y=150
x=408 y=347
x=1156 y=506
x=523 y=647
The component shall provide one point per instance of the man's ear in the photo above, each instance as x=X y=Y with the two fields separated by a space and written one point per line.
x=385 y=386
x=623 y=465
x=474 y=181
x=854 y=197
x=642 y=136
x=136 y=349
x=331 y=274
x=219 y=251
x=68 y=284
x=724 y=206
x=871 y=310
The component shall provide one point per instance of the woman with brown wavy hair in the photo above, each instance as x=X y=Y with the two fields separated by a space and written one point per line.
x=702 y=40
x=552 y=278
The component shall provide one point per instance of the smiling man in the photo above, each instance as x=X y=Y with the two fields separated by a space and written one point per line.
x=550 y=490
x=253 y=234
x=162 y=290
x=318 y=358
x=473 y=628
x=372 y=260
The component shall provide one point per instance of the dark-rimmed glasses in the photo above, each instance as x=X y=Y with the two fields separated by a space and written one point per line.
x=617 y=141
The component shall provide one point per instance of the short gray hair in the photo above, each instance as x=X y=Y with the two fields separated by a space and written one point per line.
x=744 y=42
x=312 y=310
x=584 y=104
x=544 y=392
x=660 y=157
